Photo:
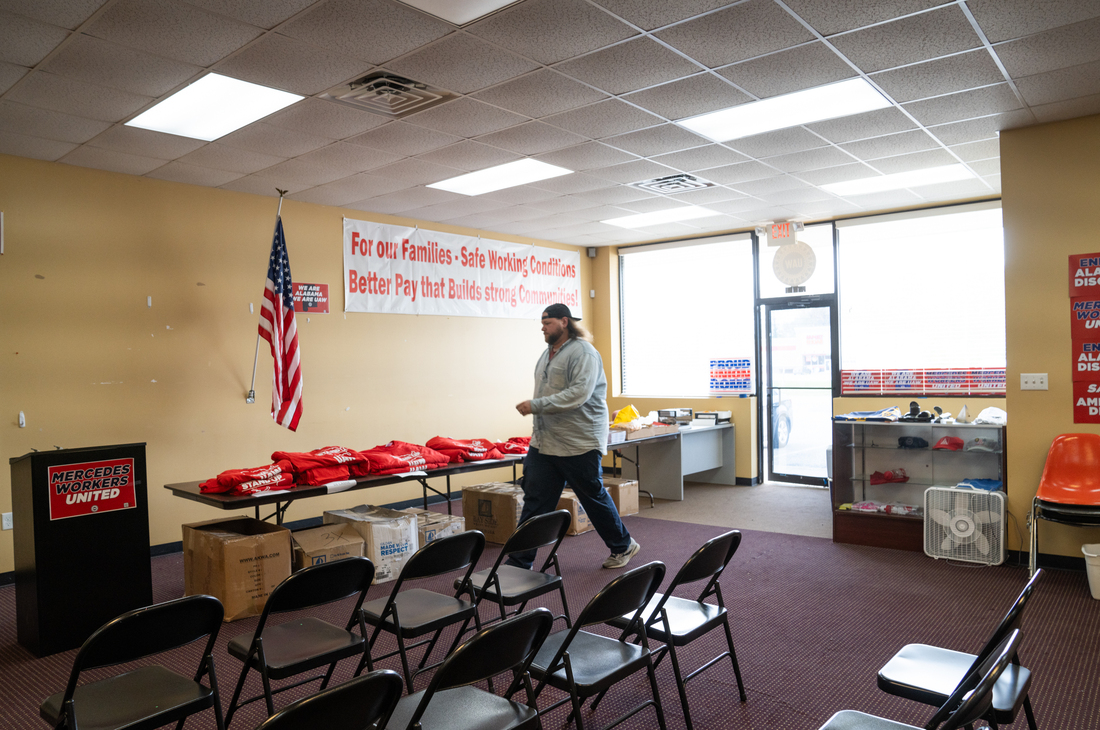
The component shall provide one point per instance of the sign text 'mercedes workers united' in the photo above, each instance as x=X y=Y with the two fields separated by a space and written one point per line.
x=78 y=490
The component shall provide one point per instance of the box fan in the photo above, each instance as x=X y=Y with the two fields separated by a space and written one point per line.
x=964 y=524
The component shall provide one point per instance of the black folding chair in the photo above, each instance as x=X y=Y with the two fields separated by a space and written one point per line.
x=508 y=585
x=415 y=612
x=359 y=703
x=281 y=651
x=928 y=674
x=679 y=621
x=148 y=696
x=451 y=703
x=971 y=701
x=586 y=664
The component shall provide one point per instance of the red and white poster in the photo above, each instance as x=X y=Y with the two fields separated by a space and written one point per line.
x=79 y=490
x=311 y=298
x=1084 y=312
x=397 y=270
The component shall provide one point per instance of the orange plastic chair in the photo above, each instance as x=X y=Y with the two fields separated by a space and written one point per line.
x=1069 y=492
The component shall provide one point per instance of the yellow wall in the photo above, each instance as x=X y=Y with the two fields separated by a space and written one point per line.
x=90 y=364
x=1051 y=188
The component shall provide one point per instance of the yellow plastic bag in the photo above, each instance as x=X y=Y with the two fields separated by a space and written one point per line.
x=626 y=415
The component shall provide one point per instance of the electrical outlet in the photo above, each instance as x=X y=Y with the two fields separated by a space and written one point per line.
x=1033 y=381
x=6 y=521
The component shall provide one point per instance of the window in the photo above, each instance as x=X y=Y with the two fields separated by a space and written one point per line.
x=922 y=302
x=682 y=306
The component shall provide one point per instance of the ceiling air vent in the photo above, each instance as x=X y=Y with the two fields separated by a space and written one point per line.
x=673 y=184
x=388 y=95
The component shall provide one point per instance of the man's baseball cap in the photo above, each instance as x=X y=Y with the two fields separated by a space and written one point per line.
x=952 y=443
x=557 y=311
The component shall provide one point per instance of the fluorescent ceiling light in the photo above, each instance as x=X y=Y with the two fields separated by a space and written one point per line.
x=212 y=107
x=671 y=215
x=503 y=176
x=912 y=179
x=459 y=13
x=779 y=112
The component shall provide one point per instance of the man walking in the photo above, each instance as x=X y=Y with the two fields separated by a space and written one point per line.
x=569 y=437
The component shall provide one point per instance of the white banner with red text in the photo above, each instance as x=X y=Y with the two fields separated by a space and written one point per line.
x=398 y=270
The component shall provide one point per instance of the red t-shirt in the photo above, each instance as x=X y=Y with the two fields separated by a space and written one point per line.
x=398 y=457
x=460 y=450
x=515 y=445
x=249 y=481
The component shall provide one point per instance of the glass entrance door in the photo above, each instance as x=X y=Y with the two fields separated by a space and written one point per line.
x=799 y=390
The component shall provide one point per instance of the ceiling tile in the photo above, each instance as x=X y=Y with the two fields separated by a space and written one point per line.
x=352 y=189
x=632 y=172
x=972 y=130
x=954 y=190
x=552 y=30
x=540 y=94
x=232 y=159
x=456 y=208
x=65 y=13
x=172 y=29
x=824 y=209
x=181 y=172
x=566 y=204
x=837 y=16
x=803 y=67
x=701 y=158
x=885 y=201
x=914 y=161
x=531 y=138
x=734 y=174
x=603 y=119
x=890 y=145
x=111 y=160
x=292 y=65
x=25 y=42
x=767 y=186
x=1066 y=83
x=586 y=156
x=739 y=207
x=418 y=172
x=93 y=60
x=964 y=105
x=651 y=14
x=409 y=199
x=461 y=63
x=790 y=197
x=614 y=195
x=810 y=159
x=628 y=66
x=986 y=167
x=269 y=140
x=688 y=97
x=469 y=155
x=9 y=74
x=982 y=150
x=939 y=32
x=657 y=140
x=254 y=185
x=760 y=26
x=347 y=159
x=521 y=195
x=791 y=139
x=1002 y=20
x=404 y=139
x=1081 y=107
x=299 y=174
x=942 y=76
x=465 y=117
x=705 y=196
x=840 y=173
x=75 y=97
x=322 y=195
x=36 y=148
x=862 y=126
x=36 y=122
x=600 y=212
x=373 y=30
x=143 y=142
x=578 y=182
x=325 y=118
x=261 y=13
x=1069 y=45
x=521 y=213
x=477 y=221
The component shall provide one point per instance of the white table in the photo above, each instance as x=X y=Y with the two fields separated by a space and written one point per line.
x=660 y=463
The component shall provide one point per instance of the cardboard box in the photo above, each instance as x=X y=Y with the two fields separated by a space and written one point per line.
x=656 y=429
x=239 y=561
x=493 y=508
x=325 y=544
x=615 y=436
x=389 y=535
x=434 y=525
x=624 y=493
x=579 y=522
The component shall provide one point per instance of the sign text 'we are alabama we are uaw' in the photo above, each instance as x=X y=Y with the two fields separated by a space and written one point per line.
x=398 y=270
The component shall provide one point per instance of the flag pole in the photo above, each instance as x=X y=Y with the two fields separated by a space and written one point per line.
x=251 y=396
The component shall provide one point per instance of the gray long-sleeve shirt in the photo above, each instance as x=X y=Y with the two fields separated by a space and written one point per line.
x=569 y=405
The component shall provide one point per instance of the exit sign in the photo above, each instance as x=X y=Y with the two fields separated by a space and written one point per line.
x=780 y=234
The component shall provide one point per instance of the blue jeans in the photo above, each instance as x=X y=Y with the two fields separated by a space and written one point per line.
x=544 y=478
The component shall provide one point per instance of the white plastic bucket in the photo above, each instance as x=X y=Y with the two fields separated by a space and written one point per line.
x=1092 y=567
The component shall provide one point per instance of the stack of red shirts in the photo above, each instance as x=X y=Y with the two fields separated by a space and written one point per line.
x=398 y=457
x=315 y=468
x=514 y=445
x=460 y=450
x=249 y=481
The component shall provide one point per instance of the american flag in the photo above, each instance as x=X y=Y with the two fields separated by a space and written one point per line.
x=277 y=326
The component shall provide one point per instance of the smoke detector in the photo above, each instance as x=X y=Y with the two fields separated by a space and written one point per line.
x=388 y=95
x=673 y=184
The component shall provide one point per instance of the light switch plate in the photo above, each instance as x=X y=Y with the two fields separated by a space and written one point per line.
x=7 y=525
x=1033 y=381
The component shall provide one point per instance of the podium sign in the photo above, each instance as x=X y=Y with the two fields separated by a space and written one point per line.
x=81 y=542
